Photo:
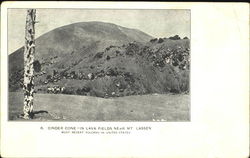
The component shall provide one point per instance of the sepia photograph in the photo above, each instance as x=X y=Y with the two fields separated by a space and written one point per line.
x=99 y=64
x=124 y=79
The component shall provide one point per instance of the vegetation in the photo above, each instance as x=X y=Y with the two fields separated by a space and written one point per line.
x=37 y=66
x=114 y=69
x=176 y=37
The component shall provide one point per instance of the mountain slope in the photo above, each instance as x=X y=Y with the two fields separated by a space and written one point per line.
x=80 y=38
x=106 y=60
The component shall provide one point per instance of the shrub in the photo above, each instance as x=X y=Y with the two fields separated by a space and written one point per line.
x=175 y=62
x=69 y=90
x=153 y=40
x=112 y=72
x=37 y=66
x=55 y=72
x=108 y=57
x=160 y=40
x=99 y=55
x=117 y=52
x=48 y=77
x=174 y=90
x=180 y=57
x=176 y=37
x=83 y=91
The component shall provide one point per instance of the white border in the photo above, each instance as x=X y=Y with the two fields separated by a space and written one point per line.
x=220 y=95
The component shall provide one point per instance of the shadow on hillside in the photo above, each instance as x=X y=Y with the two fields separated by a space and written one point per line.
x=38 y=112
x=33 y=115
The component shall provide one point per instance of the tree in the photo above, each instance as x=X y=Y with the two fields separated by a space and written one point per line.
x=28 y=82
x=108 y=57
x=160 y=40
x=55 y=72
x=37 y=66
x=153 y=40
x=176 y=37
x=48 y=77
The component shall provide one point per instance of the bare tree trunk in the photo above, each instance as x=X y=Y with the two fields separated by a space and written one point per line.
x=28 y=83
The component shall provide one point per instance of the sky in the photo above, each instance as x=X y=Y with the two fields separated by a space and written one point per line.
x=157 y=23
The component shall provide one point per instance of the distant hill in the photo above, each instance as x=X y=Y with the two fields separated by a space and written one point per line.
x=79 y=38
x=106 y=60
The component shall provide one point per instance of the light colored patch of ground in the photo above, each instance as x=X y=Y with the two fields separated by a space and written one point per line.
x=160 y=107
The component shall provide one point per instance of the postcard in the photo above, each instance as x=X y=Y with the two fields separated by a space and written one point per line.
x=124 y=79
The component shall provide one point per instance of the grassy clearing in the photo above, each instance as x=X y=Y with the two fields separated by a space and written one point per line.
x=160 y=107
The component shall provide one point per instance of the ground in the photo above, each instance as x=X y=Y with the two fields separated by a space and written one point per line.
x=59 y=107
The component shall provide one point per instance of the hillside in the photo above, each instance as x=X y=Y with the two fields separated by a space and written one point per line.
x=106 y=60
x=78 y=39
